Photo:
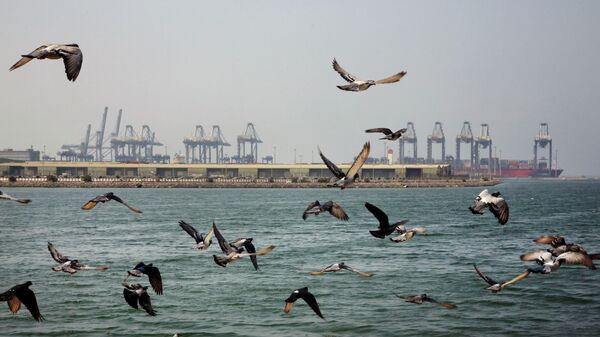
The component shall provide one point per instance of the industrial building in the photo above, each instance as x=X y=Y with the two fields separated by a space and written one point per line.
x=113 y=169
x=25 y=155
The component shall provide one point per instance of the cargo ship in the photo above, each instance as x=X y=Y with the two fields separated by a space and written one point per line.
x=526 y=168
x=510 y=168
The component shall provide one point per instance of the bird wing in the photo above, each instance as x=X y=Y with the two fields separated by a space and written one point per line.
x=379 y=214
x=251 y=249
x=349 y=87
x=262 y=252
x=312 y=302
x=534 y=256
x=26 y=58
x=207 y=238
x=478 y=206
x=392 y=79
x=225 y=247
x=155 y=279
x=90 y=204
x=486 y=278
x=335 y=210
x=330 y=267
x=310 y=206
x=500 y=210
x=332 y=167
x=190 y=230
x=408 y=298
x=146 y=303
x=516 y=279
x=546 y=239
x=385 y=131
x=419 y=230
x=73 y=59
x=443 y=304
x=289 y=302
x=11 y=198
x=401 y=132
x=361 y=273
x=56 y=255
x=345 y=75
x=576 y=258
x=131 y=297
x=14 y=304
x=88 y=267
x=117 y=199
x=27 y=296
x=404 y=237
x=359 y=161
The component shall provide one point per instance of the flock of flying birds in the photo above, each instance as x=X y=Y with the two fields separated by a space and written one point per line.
x=136 y=295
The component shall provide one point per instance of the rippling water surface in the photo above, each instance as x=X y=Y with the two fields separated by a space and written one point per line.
x=201 y=298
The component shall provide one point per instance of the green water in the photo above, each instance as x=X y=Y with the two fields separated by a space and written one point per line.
x=201 y=298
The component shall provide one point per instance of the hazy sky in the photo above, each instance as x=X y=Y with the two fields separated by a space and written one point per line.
x=176 y=64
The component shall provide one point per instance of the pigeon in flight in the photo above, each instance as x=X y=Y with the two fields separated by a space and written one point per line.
x=406 y=235
x=496 y=204
x=420 y=299
x=385 y=228
x=202 y=242
x=234 y=250
x=306 y=296
x=389 y=135
x=22 y=294
x=498 y=286
x=66 y=264
x=70 y=53
x=339 y=267
x=357 y=84
x=107 y=197
x=346 y=179
x=333 y=208
x=4 y=196
x=136 y=293
x=153 y=275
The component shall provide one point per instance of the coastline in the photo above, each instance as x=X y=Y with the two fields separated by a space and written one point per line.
x=239 y=183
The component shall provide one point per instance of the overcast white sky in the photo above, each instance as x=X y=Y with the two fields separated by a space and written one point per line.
x=176 y=64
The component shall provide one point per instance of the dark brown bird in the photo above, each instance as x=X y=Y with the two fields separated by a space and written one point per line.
x=357 y=84
x=136 y=293
x=307 y=297
x=22 y=294
x=70 y=53
x=385 y=228
x=420 y=299
x=389 y=135
x=153 y=275
x=107 y=197
x=333 y=208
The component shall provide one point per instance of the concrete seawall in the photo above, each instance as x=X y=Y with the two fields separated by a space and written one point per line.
x=193 y=183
